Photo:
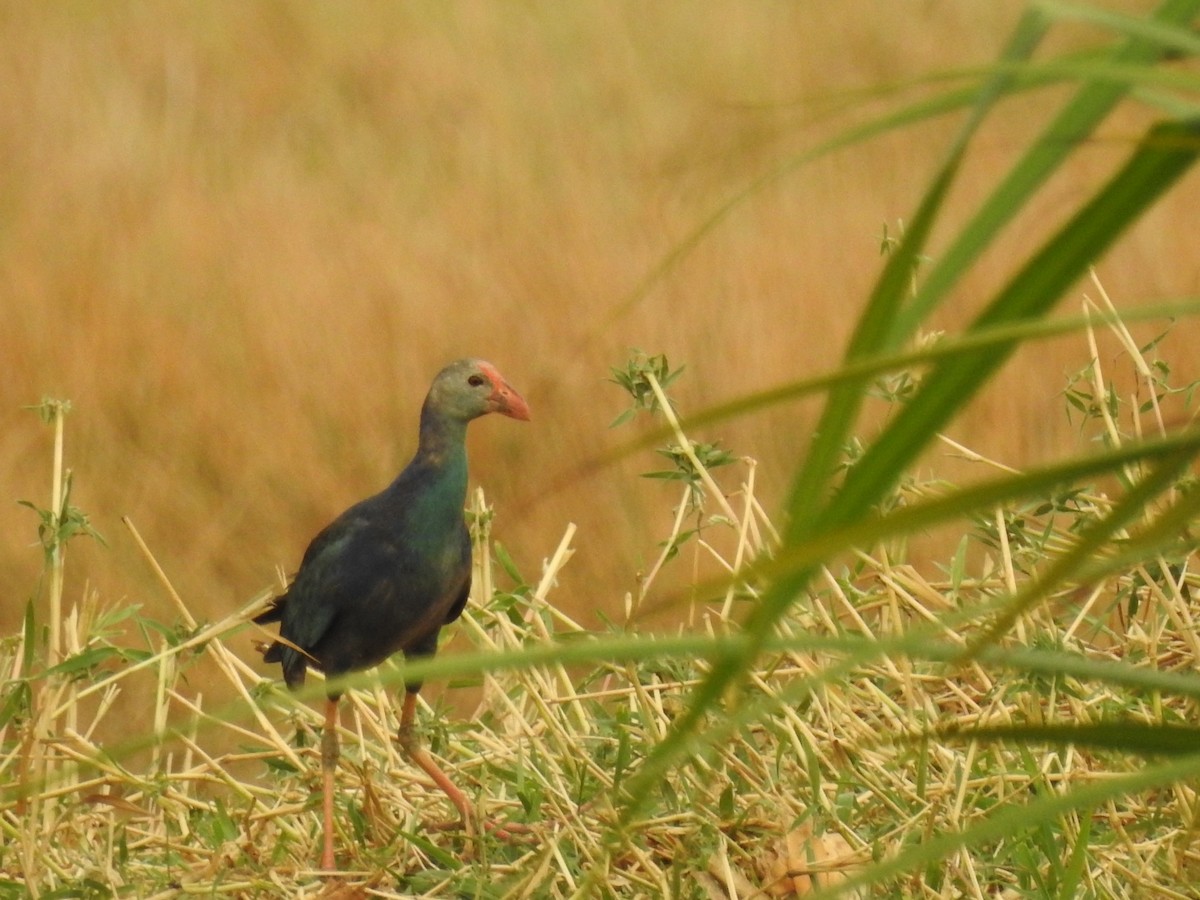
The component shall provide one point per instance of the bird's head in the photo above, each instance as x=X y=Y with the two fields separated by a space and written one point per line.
x=471 y=388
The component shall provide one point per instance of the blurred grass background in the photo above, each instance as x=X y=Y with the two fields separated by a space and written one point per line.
x=241 y=238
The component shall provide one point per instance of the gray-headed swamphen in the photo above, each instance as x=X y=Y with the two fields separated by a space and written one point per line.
x=390 y=571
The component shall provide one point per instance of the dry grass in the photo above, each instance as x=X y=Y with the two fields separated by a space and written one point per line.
x=817 y=787
x=814 y=789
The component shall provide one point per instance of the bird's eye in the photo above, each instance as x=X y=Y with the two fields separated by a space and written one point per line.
x=475 y=380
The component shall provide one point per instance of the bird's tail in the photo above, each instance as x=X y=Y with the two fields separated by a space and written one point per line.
x=274 y=612
x=292 y=658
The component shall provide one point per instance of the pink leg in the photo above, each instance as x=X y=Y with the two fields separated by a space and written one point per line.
x=329 y=758
x=420 y=756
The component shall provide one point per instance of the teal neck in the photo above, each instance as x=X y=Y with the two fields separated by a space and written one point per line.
x=433 y=487
x=443 y=442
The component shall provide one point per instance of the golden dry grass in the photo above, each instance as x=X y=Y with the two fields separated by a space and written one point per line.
x=812 y=792
x=242 y=237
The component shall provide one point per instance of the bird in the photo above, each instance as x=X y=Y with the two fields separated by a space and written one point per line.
x=390 y=571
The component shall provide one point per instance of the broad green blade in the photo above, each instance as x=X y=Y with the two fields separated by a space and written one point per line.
x=878 y=320
x=1091 y=104
x=1162 y=157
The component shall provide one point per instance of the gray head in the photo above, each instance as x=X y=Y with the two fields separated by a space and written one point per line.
x=470 y=388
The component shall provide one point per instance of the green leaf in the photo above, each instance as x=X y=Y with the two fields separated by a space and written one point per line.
x=1072 y=875
x=50 y=409
x=84 y=661
x=506 y=563
x=1163 y=156
x=29 y=641
x=443 y=858
x=17 y=703
x=725 y=805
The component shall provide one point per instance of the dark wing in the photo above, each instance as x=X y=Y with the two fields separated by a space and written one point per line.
x=327 y=579
x=460 y=602
x=273 y=613
x=363 y=593
x=333 y=533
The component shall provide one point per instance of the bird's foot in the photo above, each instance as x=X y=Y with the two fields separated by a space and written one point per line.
x=505 y=831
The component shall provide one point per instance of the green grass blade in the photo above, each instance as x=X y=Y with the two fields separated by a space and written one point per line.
x=1091 y=542
x=887 y=299
x=919 y=643
x=845 y=400
x=1166 y=29
x=1093 y=101
x=1073 y=874
x=1029 y=32
x=1016 y=819
x=1161 y=158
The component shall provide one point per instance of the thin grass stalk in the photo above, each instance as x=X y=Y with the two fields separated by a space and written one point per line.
x=685 y=445
x=1121 y=330
x=57 y=509
x=226 y=661
x=946 y=347
x=646 y=581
